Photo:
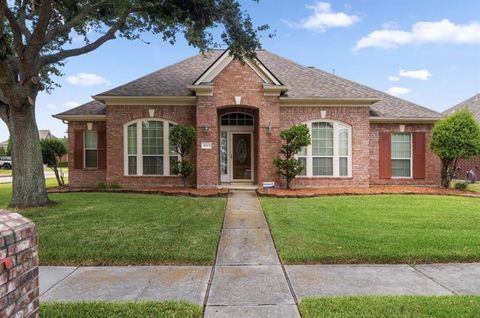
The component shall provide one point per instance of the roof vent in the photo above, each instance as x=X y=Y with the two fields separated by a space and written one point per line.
x=310 y=66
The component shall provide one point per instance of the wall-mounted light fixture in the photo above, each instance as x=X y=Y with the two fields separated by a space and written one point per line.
x=89 y=126
x=269 y=128
x=151 y=112
x=205 y=127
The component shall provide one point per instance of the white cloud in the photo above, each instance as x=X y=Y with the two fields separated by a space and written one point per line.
x=324 y=18
x=87 y=79
x=51 y=106
x=423 y=75
x=393 y=78
x=71 y=104
x=443 y=31
x=397 y=91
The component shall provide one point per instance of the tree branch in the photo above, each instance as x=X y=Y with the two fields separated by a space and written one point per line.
x=110 y=35
x=76 y=20
x=38 y=34
x=4 y=113
x=16 y=30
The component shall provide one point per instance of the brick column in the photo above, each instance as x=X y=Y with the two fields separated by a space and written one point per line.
x=18 y=266
x=207 y=167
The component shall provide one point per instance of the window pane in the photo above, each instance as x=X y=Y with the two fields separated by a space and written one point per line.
x=322 y=139
x=304 y=163
x=237 y=119
x=171 y=146
x=132 y=139
x=322 y=166
x=401 y=145
x=91 y=139
x=132 y=165
x=173 y=164
x=401 y=168
x=90 y=158
x=223 y=152
x=343 y=167
x=153 y=165
x=152 y=138
x=343 y=142
x=302 y=152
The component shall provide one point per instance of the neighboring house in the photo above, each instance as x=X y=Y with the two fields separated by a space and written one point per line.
x=46 y=134
x=472 y=104
x=360 y=136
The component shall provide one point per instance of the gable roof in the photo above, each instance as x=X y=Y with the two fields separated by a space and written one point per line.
x=302 y=82
x=472 y=104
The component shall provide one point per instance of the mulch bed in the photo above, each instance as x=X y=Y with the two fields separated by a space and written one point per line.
x=372 y=190
x=193 y=192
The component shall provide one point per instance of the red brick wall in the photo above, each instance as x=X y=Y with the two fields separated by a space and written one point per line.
x=465 y=165
x=82 y=177
x=117 y=116
x=358 y=119
x=432 y=163
x=236 y=80
x=18 y=267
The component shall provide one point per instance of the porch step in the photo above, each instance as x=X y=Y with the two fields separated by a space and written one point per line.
x=238 y=186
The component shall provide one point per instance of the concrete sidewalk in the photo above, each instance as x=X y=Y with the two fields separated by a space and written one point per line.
x=190 y=283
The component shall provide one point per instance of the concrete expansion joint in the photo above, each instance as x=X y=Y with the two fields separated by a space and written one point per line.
x=433 y=280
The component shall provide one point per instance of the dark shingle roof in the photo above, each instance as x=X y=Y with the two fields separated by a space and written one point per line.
x=472 y=104
x=302 y=82
x=91 y=108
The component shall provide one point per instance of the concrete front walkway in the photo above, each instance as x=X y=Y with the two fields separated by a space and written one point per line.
x=248 y=279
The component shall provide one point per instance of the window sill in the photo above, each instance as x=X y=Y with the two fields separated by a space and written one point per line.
x=149 y=176
x=325 y=177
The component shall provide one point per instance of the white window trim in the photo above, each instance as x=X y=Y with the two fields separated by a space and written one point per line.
x=85 y=149
x=336 y=157
x=401 y=158
x=166 y=148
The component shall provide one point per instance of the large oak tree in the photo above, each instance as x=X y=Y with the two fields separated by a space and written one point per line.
x=36 y=37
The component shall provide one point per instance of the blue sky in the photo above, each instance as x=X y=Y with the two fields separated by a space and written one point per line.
x=427 y=52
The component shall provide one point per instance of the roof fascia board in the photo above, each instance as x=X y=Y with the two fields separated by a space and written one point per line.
x=81 y=117
x=404 y=120
x=148 y=100
x=327 y=102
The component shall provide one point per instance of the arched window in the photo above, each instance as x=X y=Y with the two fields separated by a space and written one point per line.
x=147 y=148
x=330 y=152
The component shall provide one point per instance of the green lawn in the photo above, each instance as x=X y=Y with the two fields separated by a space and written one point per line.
x=391 y=306
x=152 y=309
x=375 y=229
x=125 y=229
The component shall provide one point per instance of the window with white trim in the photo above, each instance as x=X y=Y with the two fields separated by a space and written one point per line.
x=91 y=149
x=148 y=151
x=329 y=154
x=402 y=155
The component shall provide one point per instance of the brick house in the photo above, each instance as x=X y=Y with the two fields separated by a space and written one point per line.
x=472 y=104
x=360 y=136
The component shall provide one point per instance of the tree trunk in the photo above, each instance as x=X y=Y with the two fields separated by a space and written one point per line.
x=57 y=176
x=28 y=179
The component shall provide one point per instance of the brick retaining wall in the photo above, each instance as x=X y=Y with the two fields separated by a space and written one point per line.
x=19 y=289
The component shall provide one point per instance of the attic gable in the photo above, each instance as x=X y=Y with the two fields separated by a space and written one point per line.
x=202 y=86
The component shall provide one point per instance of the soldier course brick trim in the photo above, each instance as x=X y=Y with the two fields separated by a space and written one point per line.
x=317 y=95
